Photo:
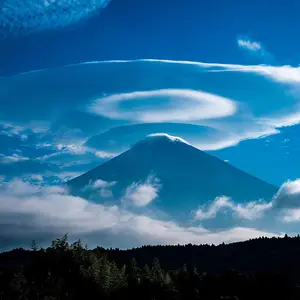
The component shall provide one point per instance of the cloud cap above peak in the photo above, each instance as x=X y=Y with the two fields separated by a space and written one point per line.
x=163 y=137
x=174 y=105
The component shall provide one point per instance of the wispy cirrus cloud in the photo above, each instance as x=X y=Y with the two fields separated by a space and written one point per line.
x=23 y=17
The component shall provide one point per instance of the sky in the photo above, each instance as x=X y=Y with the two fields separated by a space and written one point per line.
x=82 y=81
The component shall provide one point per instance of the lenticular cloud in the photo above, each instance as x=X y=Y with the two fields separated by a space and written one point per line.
x=19 y=17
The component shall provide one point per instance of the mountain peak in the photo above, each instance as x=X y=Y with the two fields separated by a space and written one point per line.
x=187 y=176
x=160 y=139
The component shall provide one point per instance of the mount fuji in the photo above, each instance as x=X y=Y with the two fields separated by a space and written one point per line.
x=167 y=175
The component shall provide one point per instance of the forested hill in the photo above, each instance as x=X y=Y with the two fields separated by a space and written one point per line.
x=262 y=254
x=269 y=254
x=257 y=269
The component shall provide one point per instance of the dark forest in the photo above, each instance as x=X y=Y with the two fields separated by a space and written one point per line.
x=264 y=268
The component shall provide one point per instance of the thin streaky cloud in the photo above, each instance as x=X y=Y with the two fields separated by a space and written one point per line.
x=284 y=73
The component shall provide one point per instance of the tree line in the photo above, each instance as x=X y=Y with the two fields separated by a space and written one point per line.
x=72 y=271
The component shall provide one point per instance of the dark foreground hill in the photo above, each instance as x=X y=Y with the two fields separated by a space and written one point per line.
x=257 y=269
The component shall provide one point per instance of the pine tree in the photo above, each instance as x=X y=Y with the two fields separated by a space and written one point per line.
x=133 y=272
x=34 y=246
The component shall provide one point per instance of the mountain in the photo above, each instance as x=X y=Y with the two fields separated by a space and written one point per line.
x=183 y=176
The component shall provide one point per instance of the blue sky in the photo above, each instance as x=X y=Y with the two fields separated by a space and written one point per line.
x=82 y=81
x=189 y=30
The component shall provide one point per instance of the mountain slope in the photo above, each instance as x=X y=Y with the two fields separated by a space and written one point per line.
x=187 y=176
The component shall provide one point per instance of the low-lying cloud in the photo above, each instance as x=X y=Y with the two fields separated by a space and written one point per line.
x=249 y=211
x=102 y=187
x=52 y=212
x=285 y=205
x=142 y=194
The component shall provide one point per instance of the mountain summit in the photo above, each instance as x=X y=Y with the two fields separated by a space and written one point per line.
x=176 y=176
x=160 y=138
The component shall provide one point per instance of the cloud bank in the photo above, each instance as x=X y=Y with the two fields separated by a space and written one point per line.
x=26 y=214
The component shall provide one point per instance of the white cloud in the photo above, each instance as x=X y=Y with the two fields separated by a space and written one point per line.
x=98 y=184
x=49 y=178
x=142 y=194
x=265 y=124
x=22 y=131
x=205 y=213
x=36 y=177
x=248 y=211
x=291 y=215
x=101 y=186
x=288 y=195
x=284 y=74
x=65 y=176
x=17 y=188
x=72 y=155
x=12 y=130
x=105 y=154
x=106 y=193
x=249 y=45
x=53 y=212
x=146 y=100
x=185 y=105
x=285 y=206
x=11 y=159
x=253 y=47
